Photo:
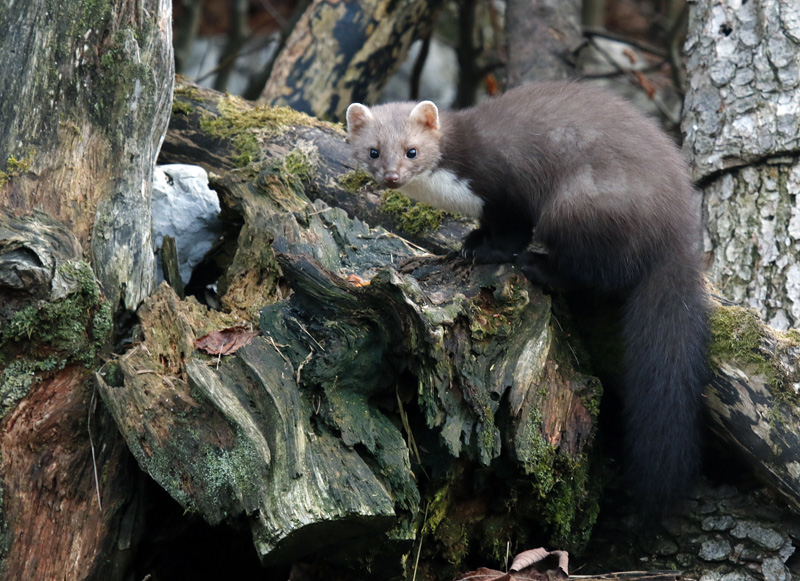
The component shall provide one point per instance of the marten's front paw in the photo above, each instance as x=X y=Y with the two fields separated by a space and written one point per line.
x=473 y=242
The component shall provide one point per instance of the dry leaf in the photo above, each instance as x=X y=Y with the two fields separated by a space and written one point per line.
x=527 y=559
x=630 y=55
x=492 y=86
x=225 y=341
x=356 y=280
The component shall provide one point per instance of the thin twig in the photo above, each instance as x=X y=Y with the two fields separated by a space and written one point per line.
x=421 y=536
x=409 y=245
x=302 y=327
x=643 y=46
x=92 y=408
x=300 y=367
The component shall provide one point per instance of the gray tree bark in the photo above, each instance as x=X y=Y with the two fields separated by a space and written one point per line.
x=86 y=94
x=742 y=137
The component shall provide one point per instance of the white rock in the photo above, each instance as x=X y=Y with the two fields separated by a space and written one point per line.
x=185 y=208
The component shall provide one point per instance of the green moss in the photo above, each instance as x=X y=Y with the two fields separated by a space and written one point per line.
x=536 y=455
x=241 y=125
x=413 y=218
x=569 y=510
x=224 y=469
x=437 y=509
x=353 y=181
x=558 y=488
x=187 y=91
x=738 y=334
x=17 y=378
x=72 y=127
x=49 y=335
x=298 y=163
x=16 y=167
x=95 y=14
x=181 y=107
x=122 y=78
x=488 y=430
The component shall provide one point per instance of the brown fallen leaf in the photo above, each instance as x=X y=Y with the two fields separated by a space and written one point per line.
x=356 y=280
x=225 y=341
x=646 y=84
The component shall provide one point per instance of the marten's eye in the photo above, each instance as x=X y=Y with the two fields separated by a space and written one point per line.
x=374 y=153
x=411 y=153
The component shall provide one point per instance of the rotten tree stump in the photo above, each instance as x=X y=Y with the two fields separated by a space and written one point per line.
x=358 y=399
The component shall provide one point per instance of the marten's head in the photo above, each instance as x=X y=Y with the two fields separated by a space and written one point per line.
x=394 y=142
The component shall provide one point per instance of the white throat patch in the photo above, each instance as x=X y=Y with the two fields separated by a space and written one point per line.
x=442 y=189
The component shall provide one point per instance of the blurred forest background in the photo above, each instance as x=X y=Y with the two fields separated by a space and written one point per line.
x=462 y=57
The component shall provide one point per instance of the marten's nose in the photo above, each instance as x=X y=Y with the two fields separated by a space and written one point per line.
x=391 y=177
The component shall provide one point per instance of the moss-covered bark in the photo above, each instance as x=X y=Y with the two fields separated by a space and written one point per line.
x=430 y=375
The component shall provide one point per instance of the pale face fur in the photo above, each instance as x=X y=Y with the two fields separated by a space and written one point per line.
x=405 y=138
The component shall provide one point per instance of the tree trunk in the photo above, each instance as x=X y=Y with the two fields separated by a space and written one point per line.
x=542 y=37
x=86 y=90
x=86 y=94
x=341 y=52
x=742 y=137
x=55 y=445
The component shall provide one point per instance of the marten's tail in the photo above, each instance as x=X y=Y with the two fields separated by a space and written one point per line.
x=665 y=329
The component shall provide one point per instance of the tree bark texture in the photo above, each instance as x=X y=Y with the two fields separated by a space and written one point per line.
x=753 y=397
x=84 y=99
x=85 y=91
x=742 y=137
x=542 y=37
x=341 y=52
x=61 y=454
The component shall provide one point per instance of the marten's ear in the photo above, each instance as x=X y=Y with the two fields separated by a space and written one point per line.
x=358 y=115
x=426 y=113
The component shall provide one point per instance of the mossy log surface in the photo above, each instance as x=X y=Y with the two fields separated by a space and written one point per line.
x=754 y=400
x=751 y=404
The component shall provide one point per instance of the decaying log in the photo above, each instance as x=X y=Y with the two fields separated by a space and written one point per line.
x=754 y=397
x=86 y=90
x=737 y=385
x=358 y=398
x=220 y=132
